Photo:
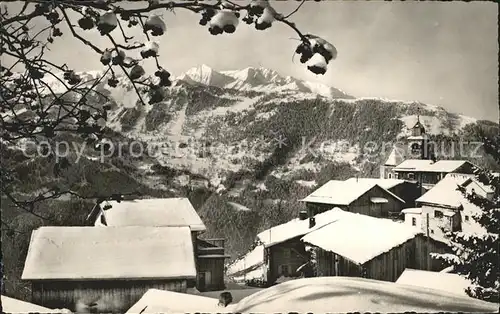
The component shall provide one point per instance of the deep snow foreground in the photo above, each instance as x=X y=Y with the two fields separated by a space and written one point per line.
x=344 y=294
x=452 y=283
x=161 y=301
x=10 y=305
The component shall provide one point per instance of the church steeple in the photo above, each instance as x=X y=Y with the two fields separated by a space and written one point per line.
x=418 y=129
x=418 y=141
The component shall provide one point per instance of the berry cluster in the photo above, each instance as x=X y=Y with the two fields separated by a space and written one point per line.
x=223 y=21
x=71 y=77
x=206 y=16
x=107 y=23
x=262 y=13
x=117 y=57
x=136 y=72
x=106 y=57
x=317 y=52
x=53 y=17
x=155 y=24
x=164 y=77
x=113 y=82
x=150 y=50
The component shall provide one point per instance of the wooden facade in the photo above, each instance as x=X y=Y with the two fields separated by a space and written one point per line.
x=284 y=258
x=363 y=205
x=414 y=253
x=430 y=178
x=210 y=263
x=408 y=192
x=108 y=296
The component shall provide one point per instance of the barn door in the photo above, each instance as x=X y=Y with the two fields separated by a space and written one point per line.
x=201 y=281
x=204 y=280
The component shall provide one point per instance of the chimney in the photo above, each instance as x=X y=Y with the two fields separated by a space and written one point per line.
x=312 y=222
x=303 y=215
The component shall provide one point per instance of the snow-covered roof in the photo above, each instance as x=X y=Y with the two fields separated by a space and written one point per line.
x=252 y=259
x=11 y=305
x=338 y=192
x=447 y=165
x=155 y=212
x=257 y=273
x=79 y=253
x=396 y=156
x=413 y=165
x=445 y=192
x=368 y=237
x=349 y=294
x=423 y=165
x=412 y=210
x=162 y=301
x=295 y=228
x=384 y=183
x=452 y=283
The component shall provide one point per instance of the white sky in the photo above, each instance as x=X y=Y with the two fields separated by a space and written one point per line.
x=442 y=53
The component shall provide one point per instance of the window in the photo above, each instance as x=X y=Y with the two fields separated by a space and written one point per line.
x=411 y=176
x=390 y=175
x=438 y=214
x=286 y=253
x=466 y=218
x=284 y=270
x=413 y=221
x=432 y=231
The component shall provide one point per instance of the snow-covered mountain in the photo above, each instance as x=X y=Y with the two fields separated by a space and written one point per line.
x=257 y=79
x=244 y=114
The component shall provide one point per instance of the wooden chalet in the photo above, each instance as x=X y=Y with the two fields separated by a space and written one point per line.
x=427 y=173
x=406 y=190
x=169 y=212
x=103 y=270
x=357 y=196
x=445 y=208
x=284 y=253
x=357 y=245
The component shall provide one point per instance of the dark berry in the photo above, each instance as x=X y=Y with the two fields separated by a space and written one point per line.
x=86 y=23
x=316 y=70
x=229 y=28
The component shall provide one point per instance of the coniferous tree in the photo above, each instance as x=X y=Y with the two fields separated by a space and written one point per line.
x=476 y=255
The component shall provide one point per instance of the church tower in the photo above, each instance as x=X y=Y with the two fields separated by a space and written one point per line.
x=418 y=143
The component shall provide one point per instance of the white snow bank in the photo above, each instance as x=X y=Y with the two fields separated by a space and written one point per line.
x=10 y=305
x=162 y=301
x=343 y=294
x=452 y=283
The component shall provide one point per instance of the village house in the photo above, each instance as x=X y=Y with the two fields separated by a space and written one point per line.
x=445 y=208
x=358 y=196
x=103 y=270
x=418 y=162
x=169 y=212
x=427 y=173
x=282 y=250
x=357 y=245
x=413 y=217
x=407 y=191
x=278 y=251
